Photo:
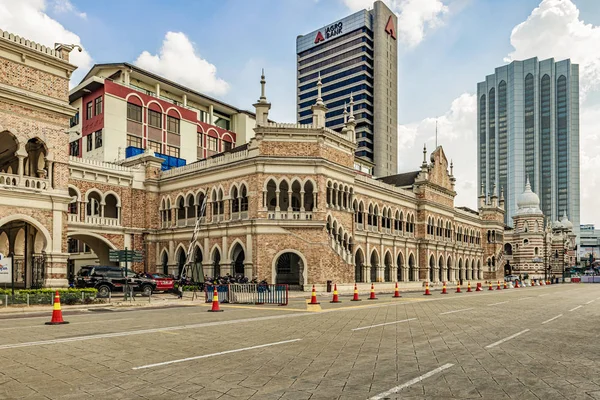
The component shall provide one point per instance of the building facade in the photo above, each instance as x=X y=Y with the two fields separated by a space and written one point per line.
x=528 y=126
x=288 y=206
x=357 y=55
x=123 y=109
x=535 y=248
x=589 y=246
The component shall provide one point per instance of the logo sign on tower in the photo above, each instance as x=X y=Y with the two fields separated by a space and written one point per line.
x=389 y=28
x=331 y=31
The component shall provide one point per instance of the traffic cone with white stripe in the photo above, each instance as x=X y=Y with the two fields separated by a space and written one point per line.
x=498 y=287
x=490 y=287
x=478 y=289
x=505 y=285
x=313 y=296
x=469 y=287
x=215 y=301
x=517 y=284
x=355 y=298
x=372 y=295
x=458 y=287
x=396 y=291
x=57 y=318
x=444 y=288
x=335 y=294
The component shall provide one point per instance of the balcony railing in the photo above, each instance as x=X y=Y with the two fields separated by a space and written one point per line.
x=295 y=215
x=12 y=180
x=89 y=219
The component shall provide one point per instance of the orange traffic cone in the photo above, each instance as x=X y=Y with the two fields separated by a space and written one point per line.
x=427 y=292
x=498 y=287
x=444 y=288
x=517 y=284
x=458 y=287
x=335 y=295
x=313 y=296
x=469 y=286
x=355 y=298
x=372 y=295
x=215 y=301
x=57 y=318
x=478 y=287
x=396 y=291
x=490 y=288
x=542 y=282
x=505 y=285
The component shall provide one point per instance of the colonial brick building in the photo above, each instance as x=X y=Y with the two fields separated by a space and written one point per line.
x=535 y=248
x=288 y=206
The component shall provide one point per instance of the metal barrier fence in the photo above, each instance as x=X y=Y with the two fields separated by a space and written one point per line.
x=249 y=293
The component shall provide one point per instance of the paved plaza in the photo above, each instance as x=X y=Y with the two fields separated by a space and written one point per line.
x=528 y=343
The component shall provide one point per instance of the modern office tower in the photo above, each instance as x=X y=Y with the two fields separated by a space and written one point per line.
x=528 y=125
x=358 y=56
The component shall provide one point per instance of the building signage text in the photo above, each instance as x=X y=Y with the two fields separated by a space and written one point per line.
x=331 y=31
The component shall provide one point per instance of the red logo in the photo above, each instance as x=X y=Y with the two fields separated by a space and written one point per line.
x=319 y=38
x=389 y=28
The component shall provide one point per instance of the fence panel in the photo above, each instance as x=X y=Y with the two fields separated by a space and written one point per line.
x=248 y=293
x=243 y=293
x=222 y=292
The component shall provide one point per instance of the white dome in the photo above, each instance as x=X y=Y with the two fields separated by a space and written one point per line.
x=557 y=225
x=565 y=222
x=528 y=202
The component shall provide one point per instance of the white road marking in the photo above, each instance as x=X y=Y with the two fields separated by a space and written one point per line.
x=551 y=319
x=546 y=294
x=489 y=346
x=590 y=302
x=455 y=311
x=495 y=304
x=74 y=323
x=573 y=309
x=214 y=354
x=386 y=323
x=396 y=389
x=525 y=298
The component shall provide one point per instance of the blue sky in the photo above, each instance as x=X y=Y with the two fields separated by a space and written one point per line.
x=445 y=48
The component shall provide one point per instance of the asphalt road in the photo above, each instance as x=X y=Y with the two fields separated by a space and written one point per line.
x=528 y=343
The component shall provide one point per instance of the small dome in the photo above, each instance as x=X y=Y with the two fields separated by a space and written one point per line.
x=565 y=222
x=557 y=225
x=528 y=202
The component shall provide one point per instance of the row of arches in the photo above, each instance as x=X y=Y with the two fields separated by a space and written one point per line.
x=95 y=203
x=290 y=195
x=338 y=235
x=188 y=206
x=388 y=220
x=339 y=195
x=210 y=266
x=30 y=159
x=444 y=270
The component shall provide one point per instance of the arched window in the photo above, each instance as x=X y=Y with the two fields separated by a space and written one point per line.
x=309 y=196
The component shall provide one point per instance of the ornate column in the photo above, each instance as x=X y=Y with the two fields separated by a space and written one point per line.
x=302 y=195
x=277 y=192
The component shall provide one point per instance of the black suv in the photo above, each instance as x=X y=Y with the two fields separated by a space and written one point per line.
x=110 y=279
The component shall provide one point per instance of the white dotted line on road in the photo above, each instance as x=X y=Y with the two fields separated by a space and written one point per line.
x=573 y=309
x=489 y=346
x=552 y=319
x=394 y=390
x=455 y=311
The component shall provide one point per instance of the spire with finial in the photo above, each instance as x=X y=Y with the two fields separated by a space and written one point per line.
x=345 y=113
x=502 y=193
x=351 y=117
x=262 y=106
x=451 y=167
x=319 y=109
x=527 y=184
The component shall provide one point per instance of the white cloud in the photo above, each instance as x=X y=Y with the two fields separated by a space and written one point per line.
x=456 y=133
x=65 y=6
x=554 y=29
x=415 y=17
x=179 y=61
x=28 y=19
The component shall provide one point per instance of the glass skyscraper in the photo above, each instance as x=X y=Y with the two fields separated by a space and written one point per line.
x=356 y=55
x=528 y=125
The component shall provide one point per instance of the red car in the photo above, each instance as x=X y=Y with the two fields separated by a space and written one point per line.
x=164 y=283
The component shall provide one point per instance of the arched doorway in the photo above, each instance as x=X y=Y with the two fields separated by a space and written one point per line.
x=400 y=270
x=441 y=268
x=238 y=257
x=181 y=259
x=86 y=248
x=359 y=262
x=431 y=268
x=374 y=265
x=289 y=269
x=26 y=242
x=387 y=276
x=449 y=268
x=216 y=262
x=461 y=271
x=412 y=276
x=165 y=262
